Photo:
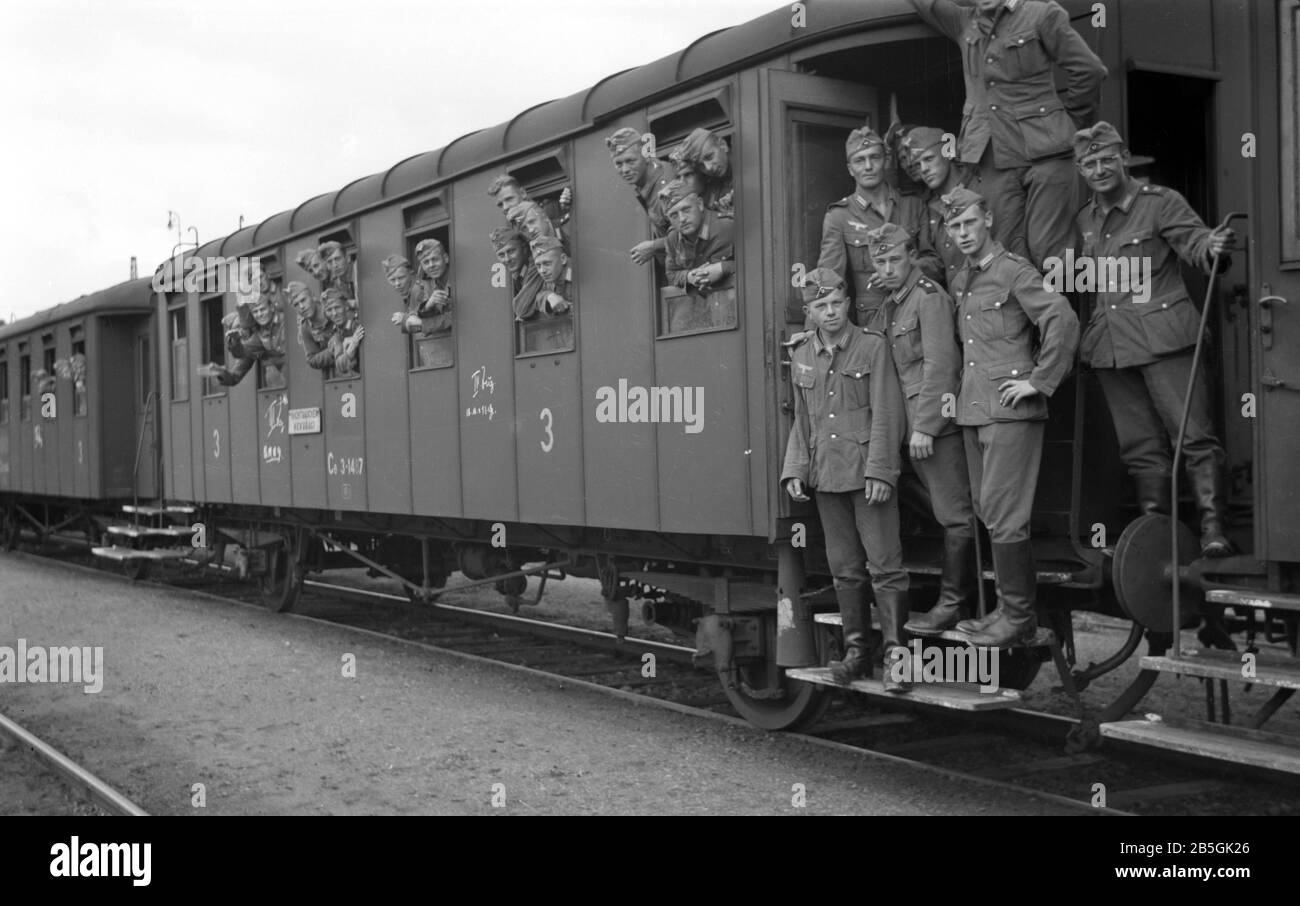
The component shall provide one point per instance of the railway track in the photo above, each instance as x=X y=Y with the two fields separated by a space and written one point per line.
x=1017 y=750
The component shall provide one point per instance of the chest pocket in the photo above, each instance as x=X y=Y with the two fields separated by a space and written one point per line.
x=802 y=378
x=855 y=378
x=905 y=340
x=992 y=316
x=1023 y=55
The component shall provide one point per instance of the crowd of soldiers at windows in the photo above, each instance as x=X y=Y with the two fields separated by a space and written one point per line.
x=687 y=196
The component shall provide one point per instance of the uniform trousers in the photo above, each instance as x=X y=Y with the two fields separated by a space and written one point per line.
x=853 y=528
x=1033 y=207
x=1146 y=403
x=1003 y=460
x=945 y=476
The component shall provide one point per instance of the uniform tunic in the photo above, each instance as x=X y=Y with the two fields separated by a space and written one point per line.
x=934 y=233
x=658 y=174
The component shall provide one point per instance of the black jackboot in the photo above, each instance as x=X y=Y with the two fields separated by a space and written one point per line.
x=857 y=644
x=892 y=608
x=956 y=587
x=1207 y=485
x=1153 y=494
x=1017 y=584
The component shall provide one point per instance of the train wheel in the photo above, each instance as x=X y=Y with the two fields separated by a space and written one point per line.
x=1142 y=569
x=283 y=580
x=8 y=530
x=767 y=699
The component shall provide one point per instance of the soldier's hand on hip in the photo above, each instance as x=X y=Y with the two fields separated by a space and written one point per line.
x=794 y=487
x=878 y=491
x=642 y=252
x=1012 y=392
x=921 y=446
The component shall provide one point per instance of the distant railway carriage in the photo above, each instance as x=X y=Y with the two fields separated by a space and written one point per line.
x=417 y=462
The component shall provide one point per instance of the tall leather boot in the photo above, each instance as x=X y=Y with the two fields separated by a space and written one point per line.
x=1153 y=494
x=857 y=642
x=892 y=608
x=1017 y=585
x=956 y=587
x=1207 y=485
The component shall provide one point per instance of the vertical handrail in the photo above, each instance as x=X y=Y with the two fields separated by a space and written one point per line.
x=139 y=448
x=1175 y=578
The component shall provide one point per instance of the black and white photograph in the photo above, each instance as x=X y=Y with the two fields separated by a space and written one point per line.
x=880 y=408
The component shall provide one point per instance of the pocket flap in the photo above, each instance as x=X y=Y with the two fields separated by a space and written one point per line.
x=1007 y=371
x=1045 y=107
x=903 y=327
x=995 y=301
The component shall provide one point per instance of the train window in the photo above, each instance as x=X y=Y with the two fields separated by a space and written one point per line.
x=672 y=123
x=211 y=311
x=544 y=293
x=180 y=348
x=271 y=369
x=77 y=371
x=696 y=292
x=144 y=367
x=24 y=383
x=4 y=389
x=1289 y=103
x=421 y=280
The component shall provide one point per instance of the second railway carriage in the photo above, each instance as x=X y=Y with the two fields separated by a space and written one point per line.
x=505 y=443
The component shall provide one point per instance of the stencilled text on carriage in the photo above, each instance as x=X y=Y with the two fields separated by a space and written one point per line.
x=37 y=664
x=629 y=404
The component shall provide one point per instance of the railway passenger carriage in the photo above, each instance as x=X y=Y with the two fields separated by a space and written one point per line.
x=410 y=466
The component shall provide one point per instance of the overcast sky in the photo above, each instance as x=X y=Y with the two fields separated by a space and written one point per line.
x=111 y=109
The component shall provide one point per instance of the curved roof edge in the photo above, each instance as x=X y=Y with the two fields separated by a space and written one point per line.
x=130 y=295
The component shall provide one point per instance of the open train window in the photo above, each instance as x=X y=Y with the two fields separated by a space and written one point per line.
x=1289 y=103
x=178 y=335
x=429 y=323
x=24 y=383
x=545 y=297
x=4 y=387
x=271 y=274
x=211 y=311
x=77 y=367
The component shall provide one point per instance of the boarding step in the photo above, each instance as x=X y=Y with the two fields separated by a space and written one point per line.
x=124 y=554
x=1229 y=665
x=957 y=696
x=1045 y=576
x=1043 y=638
x=149 y=510
x=1253 y=597
x=146 y=531
x=1234 y=745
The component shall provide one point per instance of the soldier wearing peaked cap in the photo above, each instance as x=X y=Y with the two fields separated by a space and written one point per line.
x=844 y=444
x=918 y=322
x=1017 y=341
x=940 y=175
x=647 y=176
x=1016 y=131
x=1140 y=339
x=873 y=203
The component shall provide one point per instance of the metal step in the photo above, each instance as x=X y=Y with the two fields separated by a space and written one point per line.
x=1235 y=745
x=1042 y=638
x=958 y=696
x=1253 y=597
x=145 y=531
x=1228 y=665
x=122 y=554
x=148 y=510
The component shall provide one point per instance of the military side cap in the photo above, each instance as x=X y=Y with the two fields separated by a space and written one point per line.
x=886 y=237
x=695 y=144
x=503 y=236
x=820 y=282
x=393 y=263
x=1090 y=141
x=328 y=248
x=674 y=193
x=958 y=200
x=332 y=297
x=427 y=247
x=623 y=139
x=546 y=244
x=305 y=257
x=922 y=138
x=861 y=138
x=296 y=288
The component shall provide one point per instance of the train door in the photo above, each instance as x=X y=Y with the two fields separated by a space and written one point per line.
x=804 y=167
x=145 y=410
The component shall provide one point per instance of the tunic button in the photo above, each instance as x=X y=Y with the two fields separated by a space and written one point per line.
x=970 y=341
x=830 y=393
x=997 y=304
x=832 y=371
x=971 y=364
x=993 y=106
x=1014 y=372
x=1112 y=306
x=1040 y=109
x=968 y=317
x=1164 y=304
x=832 y=415
x=833 y=436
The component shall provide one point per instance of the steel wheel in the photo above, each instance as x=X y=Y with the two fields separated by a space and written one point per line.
x=283 y=580
x=773 y=702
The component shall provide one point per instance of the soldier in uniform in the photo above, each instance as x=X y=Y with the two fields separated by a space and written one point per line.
x=555 y=295
x=940 y=176
x=844 y=444
x=1007 y=376
x=918 y=322
x=512 y=250
x=314 y=328
x=1015 y=132
x=700 y=260
x=255 y=333
x=706 y=154
x=507 y=192
x=873 y=203
x=647 y=176
x=435 y=311
x=1141 y=349
x=345 y=340
x=397 y=271
x=309 y=260
x=338 y=269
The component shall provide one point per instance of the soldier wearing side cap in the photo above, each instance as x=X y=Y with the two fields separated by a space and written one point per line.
x=707 y=154
x=1007 y=375
x=844 y=444
x=434 y=312
x=314 y=329
x=940 y=175
x=338 y=269
x=700 y=257
x=345 y=340
x=1015 y=133
x=918 y=321
x=554 y=294
x=309 y=260
x=647 y=176
x=511 y=247
x=1140 y=343
x=873 y=203
x=507 y=193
